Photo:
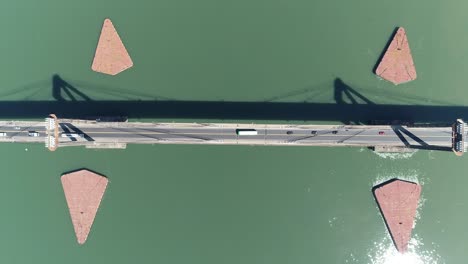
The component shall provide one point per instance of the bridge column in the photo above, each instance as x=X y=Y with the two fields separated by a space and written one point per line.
x=51 y=125
x=459 y=131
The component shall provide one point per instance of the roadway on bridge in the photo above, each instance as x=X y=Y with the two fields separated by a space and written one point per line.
x=91 y=133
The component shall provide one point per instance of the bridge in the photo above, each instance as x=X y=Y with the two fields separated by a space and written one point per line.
x=351 y=108
x=96 y=134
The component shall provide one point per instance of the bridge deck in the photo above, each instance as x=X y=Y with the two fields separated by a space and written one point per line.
x=91 y=133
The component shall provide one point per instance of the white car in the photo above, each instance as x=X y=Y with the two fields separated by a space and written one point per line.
x=3 y=134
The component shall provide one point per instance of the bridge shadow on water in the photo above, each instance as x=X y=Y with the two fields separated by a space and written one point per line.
x=79 y=105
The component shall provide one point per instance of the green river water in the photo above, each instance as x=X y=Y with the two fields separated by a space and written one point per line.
x=177 y=204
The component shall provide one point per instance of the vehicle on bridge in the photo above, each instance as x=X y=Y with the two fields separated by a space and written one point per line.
x=3 y=134
x=33 y=134
x=246 y=132
x=71 y=135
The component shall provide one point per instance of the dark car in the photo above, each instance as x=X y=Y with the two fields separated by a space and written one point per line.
x=313 y=132
x=335 y=132
x=289 y=132
x=381 y=133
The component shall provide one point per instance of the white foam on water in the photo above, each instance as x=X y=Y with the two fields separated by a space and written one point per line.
x=332 y=221
x=395 y=156
x=411 y=175
x=384 y=252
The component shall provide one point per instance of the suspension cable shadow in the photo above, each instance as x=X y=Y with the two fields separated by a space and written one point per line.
x=69 y=128
x=400 y=131
x=59 y=85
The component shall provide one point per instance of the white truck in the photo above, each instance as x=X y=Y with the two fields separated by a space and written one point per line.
x=246 y=132
x=70 y=135
x=33 y=134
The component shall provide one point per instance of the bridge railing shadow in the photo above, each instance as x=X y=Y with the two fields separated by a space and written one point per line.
x=82 y=106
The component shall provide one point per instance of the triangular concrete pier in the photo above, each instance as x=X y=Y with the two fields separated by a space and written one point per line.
x=111 y=56
x=398 y=201
x=83 y=191
x=397 y=64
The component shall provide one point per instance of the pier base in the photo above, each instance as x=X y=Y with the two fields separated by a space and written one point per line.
x=107 y=146
x=392 y=149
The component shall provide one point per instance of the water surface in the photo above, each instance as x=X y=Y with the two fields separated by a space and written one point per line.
x=232 y=204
